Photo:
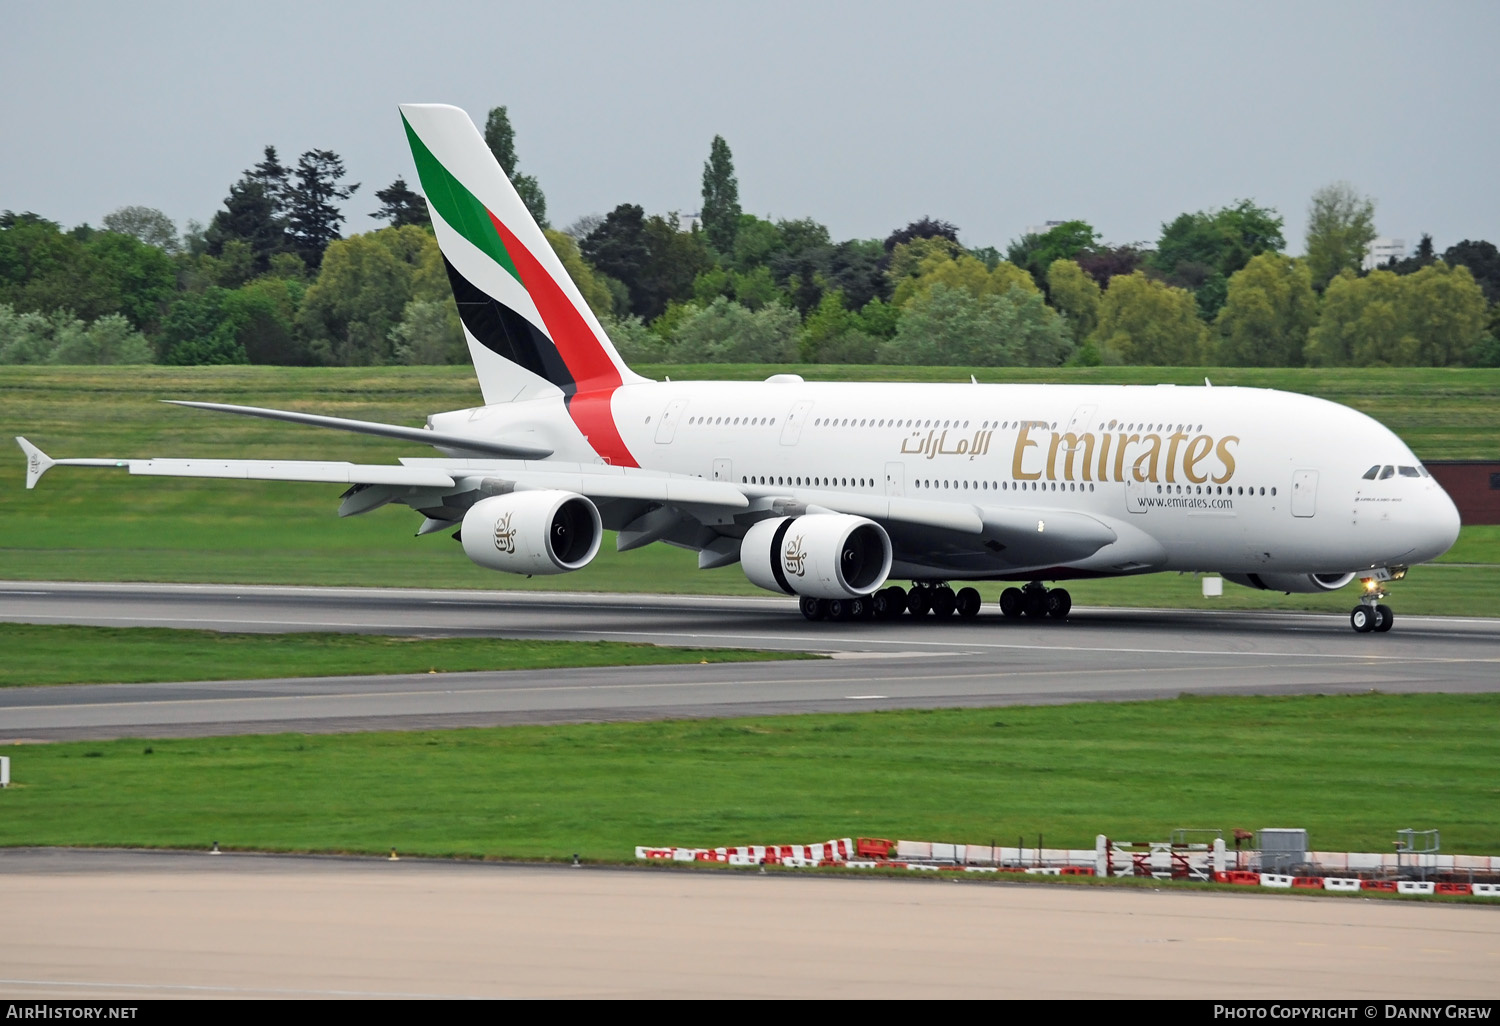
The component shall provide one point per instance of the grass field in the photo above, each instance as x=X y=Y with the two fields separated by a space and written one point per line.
x=103 y=525
x=65 y=654
x=1352 y=770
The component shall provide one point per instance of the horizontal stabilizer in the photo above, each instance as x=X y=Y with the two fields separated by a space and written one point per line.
x=369 y=427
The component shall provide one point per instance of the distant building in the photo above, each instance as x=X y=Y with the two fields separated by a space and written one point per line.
x=1043 y=228
x=1383 y=250
x=690 y=222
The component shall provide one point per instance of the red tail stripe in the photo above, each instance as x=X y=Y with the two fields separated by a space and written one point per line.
x=595 y=373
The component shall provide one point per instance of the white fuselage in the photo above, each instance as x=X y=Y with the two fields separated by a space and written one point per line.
x=1189 y=478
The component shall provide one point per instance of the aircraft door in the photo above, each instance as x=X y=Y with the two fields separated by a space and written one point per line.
x=895 y=479
x=668 y=426
x=792 y=430
x=1135 y=494
x=1304 y=493
x=1082 y=417
x=723 y=470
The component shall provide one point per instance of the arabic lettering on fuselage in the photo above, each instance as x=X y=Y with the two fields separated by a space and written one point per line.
x=1091 y=456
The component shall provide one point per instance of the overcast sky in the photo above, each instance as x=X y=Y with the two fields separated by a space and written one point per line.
x=862 y=115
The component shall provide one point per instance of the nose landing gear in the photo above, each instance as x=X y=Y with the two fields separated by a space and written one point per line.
x=1371 y=614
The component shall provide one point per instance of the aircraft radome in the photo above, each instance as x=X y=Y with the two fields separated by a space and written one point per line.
x=829 y=491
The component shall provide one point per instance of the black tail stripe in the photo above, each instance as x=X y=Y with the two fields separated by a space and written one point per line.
x=506 y=333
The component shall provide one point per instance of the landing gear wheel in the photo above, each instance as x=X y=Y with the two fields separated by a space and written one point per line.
x=1012 y=602
x=1035 y=601
x=1059 y=602
x=944 y=602
x=812 y=608
x=1363 y=619
x=919 y=601
x=1384 y=618
x=888 y=603
x=969 y=603
x=840 y=609
x=863 y=608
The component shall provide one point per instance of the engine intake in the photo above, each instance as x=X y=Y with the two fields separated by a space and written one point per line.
x=822 y=555
x=1302 y=584
x=544 y=532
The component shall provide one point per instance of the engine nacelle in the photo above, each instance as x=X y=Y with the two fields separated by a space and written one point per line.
x=542 y=532
x=1292 y=583
x=822 y=555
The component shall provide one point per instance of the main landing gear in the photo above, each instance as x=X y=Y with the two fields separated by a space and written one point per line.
x=925 y=598
x=937 y=600
x=1371 y=614
x=1036 y=601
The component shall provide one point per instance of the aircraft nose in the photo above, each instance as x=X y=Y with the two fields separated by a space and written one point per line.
x=1440 y=523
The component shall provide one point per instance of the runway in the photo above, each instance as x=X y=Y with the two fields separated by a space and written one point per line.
x=95 y=925
x=1097 y=655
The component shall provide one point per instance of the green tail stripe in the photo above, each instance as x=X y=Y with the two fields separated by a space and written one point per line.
x=457 y=205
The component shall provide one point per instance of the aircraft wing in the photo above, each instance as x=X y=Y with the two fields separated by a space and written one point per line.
x=38 y=463
x=704 y=509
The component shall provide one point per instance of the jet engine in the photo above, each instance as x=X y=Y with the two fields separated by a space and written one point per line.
x=821 y=555
x=542 y=532
x=1289 y=583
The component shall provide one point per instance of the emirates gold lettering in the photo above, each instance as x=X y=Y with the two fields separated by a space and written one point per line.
x=1086 y=456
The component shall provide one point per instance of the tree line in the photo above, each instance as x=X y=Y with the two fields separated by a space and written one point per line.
x=271 y=279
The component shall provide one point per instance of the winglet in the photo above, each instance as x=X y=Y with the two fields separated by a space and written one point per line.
x=37 y=462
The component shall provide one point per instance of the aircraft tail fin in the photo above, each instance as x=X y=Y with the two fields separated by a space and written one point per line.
x=528 y=328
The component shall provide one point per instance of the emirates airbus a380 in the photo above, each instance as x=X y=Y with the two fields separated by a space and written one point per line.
x=830 y=491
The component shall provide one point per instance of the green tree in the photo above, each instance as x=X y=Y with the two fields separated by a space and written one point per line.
x=755 y=242
x=264 y=313
x=43 y=269
x=143 y=277
x=1144 y=321
x=595 y=292
x=1075 y=295
x=674 y=259
x=1035 y=253
x=111 y=339
x=1483 y=261
x=726 y=332
x=501 y=139
x=401 y=205
x=1434 y=318
x=923 y=228
x=312 y=219
x=362 y=290
x=147 y=225
x=1340 y=227
x=952 y=326
x=956 y=271
x=1270 y=309
x=721 y=197
x=617 y=247
x=254 y=213
x=200 y=329
x=429 y=333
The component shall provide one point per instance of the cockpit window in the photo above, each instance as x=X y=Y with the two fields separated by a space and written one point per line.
x=1408 y=471
x=1372 y=473
x=1387 y=471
